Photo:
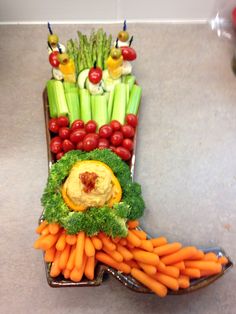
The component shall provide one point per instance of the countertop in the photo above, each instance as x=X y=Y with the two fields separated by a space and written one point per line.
x=186 y=163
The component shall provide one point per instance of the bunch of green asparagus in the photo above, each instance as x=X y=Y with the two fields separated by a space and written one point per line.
x=89 y=49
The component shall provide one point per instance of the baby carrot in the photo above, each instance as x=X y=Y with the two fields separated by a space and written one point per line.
x=89 y=267
x=107 y=242
x=71 y=239
x=71 y=261
x=114 y=254
x=223 y=260
x=45 y=231
x=79 y=253
x=130 y=246
x=161 y=266
x=140 y=234
x=146 y=245
x=149 y=282
x=170 y=271
x=37 y=243
x=123 y=241
x=148 y=269
x=183 y=281
x=116 y=240
x=167 y=249
x=133 y=239
x=46 y=242
x=64 y=257
x=40 y=228
x=61 y=243
x=199 y=255
x=132 y=224
x=204 y=265
x=191 y=272
x=210 y=257
x=55 y=270
x=53 y=228
x=208 y=273
x=127 y=255
x=97 y=243
x=108 y=260
x=145 y=257
x=179 y=265
x=159 y=241
x=50 y=254
x=66 y=273
x=179 y=256
x=132 y=264
x=77 y=273
x=166 y=280
x=89 y=247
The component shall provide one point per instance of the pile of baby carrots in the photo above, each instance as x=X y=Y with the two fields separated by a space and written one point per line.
x=155 y=263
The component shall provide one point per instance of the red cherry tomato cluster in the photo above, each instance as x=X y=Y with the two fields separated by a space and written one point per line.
x=117 y=137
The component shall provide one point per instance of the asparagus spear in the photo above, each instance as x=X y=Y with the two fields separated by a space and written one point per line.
x=99 y=51
x=107 y=51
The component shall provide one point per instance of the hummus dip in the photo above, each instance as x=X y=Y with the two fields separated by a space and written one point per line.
x=91 y=184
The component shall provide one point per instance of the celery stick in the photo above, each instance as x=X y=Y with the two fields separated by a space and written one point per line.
x=51 y=100
x=100 y=110
x=127 y=95
x=134 y=101
x=119 y=105
x=68 y=86
x=110 y=104
x=107 y=94
x=62 y=109
x=130 y=79
x=92 y=100
x=72 y=98
x=85 y=107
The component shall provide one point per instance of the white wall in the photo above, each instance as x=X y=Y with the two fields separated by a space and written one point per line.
x=82 y=10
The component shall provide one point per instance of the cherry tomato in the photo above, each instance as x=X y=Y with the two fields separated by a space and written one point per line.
x=127 y=130
x=53 y=125
x=105 y=131
x=89 y=142
x=128 y=53
x=112 y=148
x=132 y=120
x=67 y=145
x=90 y=126
x=128 y=144
x=56 y=139
x=117 y=138
x=64 y=132
x=59 y=155
x=77 y=124
x=103 y=143
x=116 y=126
x=77 y=135
x=53 y=59
x=56 y=145
x=95 y=135
x=62 y=121
x=80 y=146
x=123 y=153
x=95 y=75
